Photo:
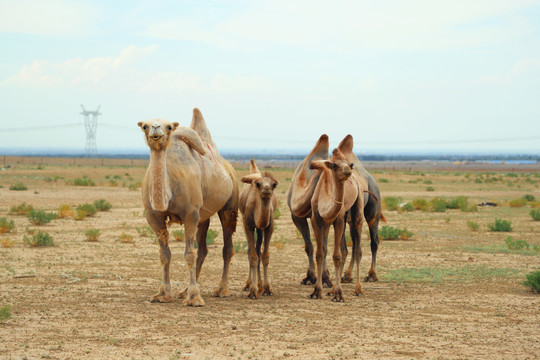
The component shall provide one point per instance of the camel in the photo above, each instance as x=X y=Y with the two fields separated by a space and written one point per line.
x=257 y=204
x=337 y=191
x=187 y=181
x=372 y=213
x=299 y=196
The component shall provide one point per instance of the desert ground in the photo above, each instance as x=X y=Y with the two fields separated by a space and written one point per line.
x=445 y=292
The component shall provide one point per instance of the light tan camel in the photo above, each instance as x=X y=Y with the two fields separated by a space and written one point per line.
x=187 y=181
x=371 y=212
x=257 y=204
x=336 y=192
x=299 y=196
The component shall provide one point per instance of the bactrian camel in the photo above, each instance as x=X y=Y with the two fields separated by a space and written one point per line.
x=299 y=196
x=187 y=182
x=336 y=192
x=257 y=204
x=371 y=212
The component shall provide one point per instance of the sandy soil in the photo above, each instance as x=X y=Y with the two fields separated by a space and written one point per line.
x=90 y=300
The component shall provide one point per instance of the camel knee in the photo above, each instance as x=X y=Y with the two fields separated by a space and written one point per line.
x=164 y=255
x=265 y=259
x=190 y=257
x=163 y=237
x=337 y=259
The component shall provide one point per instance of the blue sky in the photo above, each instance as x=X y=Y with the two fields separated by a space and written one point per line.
x=400 y=76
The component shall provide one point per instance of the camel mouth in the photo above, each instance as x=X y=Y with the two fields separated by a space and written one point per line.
x=156 y=137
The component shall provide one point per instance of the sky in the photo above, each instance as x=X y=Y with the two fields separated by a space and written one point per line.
x=416 y=76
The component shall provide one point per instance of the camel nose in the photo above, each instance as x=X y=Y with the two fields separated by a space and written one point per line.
x=347 y=172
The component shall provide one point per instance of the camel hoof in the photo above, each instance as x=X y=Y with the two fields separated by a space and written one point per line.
x=310 y=279
x=160 y=298
x=266 y=291
x=222 y=292
x=358 y=290
x=371 y=278
x=182 y=294
x=316 y=294
x=253 y=294
x=338 y=295
x=245 y=288
x=327 y=283
x=195 y=300
x=347 y=278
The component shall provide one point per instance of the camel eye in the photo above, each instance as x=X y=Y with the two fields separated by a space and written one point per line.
x=145 y=127
x=335 y=166
x=274 y=185
x=169 y=127
x=351 y=165
x=258 y=185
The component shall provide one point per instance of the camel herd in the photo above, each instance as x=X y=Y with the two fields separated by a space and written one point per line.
x=188 y=181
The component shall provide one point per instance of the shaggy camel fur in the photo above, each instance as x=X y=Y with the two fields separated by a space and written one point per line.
x=187 y=181
x=299 y=196
x=257 y=204
x=336 y=192
x=371 y=212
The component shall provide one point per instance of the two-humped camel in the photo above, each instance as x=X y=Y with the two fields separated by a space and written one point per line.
x=257 y=204
x=337 y=191
x=299 y=196
x=187 y=181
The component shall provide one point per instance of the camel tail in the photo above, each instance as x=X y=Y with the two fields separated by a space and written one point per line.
x=380 y=215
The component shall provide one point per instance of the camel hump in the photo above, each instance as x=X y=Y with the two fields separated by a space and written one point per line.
x=346 y=145
x=191 y=138
x=199 y=125
x=320 y=150
x=253 y=169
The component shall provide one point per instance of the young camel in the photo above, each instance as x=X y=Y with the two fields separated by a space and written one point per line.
x=257 y=204
x=372 y=213
x=299 y=196
x=336 y=192
x=187 y=181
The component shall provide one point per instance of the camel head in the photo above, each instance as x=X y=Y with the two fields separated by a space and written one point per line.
x=338 y=164
x=157 y=132
x=265 y=184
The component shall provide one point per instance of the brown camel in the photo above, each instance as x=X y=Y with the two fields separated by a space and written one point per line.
x=187 y=181
x=257 y=204
x=336 y=192
x=371 y=212
x=299 y=196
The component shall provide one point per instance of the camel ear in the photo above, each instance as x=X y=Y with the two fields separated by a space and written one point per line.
x=317 y=165
x=141 y=125
x=175 y=125
x=248 y=179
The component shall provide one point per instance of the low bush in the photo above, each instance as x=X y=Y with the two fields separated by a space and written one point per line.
x=22 y=209
x=533 y=281
x=517 y=202
x=529 y=197
x=6 y=225
x=473 y=226
x=89 y=209
x=392 y=202
x=437 y=204
x=517 y=244
x=7 y=243
x=430 y=188
x=92 y=234
x=102 y=205
x=144 y=231
x=5 y=313
x=535 y=214
x=80 y=214
x=277 y=214
x=18 y=186
x=125 y=238
x=178 y=235
x=394 y=233
x=211 y=236
x=383 y=180
x=407 y=207
x=65 y=211
x=500 y=226
x=84 y=181
x=40 y=217
x=39 y=239
x=420 y=204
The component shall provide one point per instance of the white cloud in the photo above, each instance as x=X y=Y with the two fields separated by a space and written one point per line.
x=50 y=17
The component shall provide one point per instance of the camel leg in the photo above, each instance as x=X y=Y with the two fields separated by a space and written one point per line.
x=159 y=226
x=358 y=256
x=339 y=226
x=325 y=273
x=347 y=275
x=202 y=251
x=253 y=260
x=193 y=297
x=302 y=226
x=266 y=259
x=228 y=223
x=258 y=249
x=320 y=253
x=374 y=235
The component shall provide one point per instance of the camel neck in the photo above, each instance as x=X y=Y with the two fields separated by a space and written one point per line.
x=335 y=200
x=263 y=212
x=159 y=191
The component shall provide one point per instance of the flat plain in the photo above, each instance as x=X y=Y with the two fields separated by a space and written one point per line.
x=448 y=291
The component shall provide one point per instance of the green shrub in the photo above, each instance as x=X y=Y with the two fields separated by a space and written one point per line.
x=437 y=204
x=22 y=209
x=80 y=214
x=277 y=213
x=500 y=225
x=392 y=202
x=39 y=239
x=407 y=207
x=89 y=209
x=383 y=180
x=178 y=235
x=5 y=313
x=430 y=188
x=18 y=186
x=428 y=182
x=529 y=197
x=473 y=226
x=92 y=234
x=461 y=202
x=211 y=236
x=394 y=233
x=144 y=231
x=533 y=281
x=6 y=225
x=240 y=246
x=40 y=217
x=535 y=214
x=85 y=181
x=517 y=202
x=102 y=205
x=516 y=244
x=420 y=204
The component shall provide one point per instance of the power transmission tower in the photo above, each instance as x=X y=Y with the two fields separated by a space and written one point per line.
x=91 y=126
